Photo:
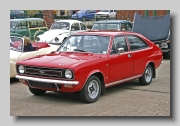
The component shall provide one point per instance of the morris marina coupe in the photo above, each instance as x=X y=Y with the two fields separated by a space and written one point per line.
x=90 y=62
x=17 y=51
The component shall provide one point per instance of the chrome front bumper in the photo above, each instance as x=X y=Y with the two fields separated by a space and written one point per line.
x=47 y=80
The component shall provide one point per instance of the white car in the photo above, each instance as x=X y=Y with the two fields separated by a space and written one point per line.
x=17 y=53
x=106 y=14
x=60 y=30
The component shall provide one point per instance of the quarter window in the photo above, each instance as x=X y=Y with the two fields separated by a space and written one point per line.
x=75 y=27
x=83 y=27
x=136 y=43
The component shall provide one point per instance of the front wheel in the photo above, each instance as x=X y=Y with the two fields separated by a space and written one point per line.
x=147 y=76
x=36 y=91
x=91 y=90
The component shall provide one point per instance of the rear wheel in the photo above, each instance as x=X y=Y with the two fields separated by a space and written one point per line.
x=91 y=90
x=36 y=91
x=147 y=76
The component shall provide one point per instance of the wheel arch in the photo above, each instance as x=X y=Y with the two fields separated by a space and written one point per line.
x=100 y=75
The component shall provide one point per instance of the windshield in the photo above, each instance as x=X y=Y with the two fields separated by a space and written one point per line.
x=13 y=24
x=81 y=12
x=105 y=26
x=16 y=43
x=60 y=25
x=104 y=10
x=86 y=43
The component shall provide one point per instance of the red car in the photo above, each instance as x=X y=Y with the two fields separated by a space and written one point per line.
x=89 y=62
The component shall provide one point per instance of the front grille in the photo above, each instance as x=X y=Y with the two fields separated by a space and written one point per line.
x=44 y=72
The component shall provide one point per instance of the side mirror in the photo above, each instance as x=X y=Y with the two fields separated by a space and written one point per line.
x=120 y=50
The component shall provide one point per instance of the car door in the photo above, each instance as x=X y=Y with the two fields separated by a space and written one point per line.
x=139 y=52
x=121 y=65
x=75 y=27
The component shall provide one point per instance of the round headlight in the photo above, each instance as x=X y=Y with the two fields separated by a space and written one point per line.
x=37 y=39
x=68 y=74
x=56 y=39
x=21 y=69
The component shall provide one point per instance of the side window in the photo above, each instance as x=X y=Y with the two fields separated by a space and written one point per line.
x=136 y=43
x=33 y=24
x=111 y=11
x=83 y=27
x=114 y=10
x=75 y=27
x=128 y=26
x=123 y=27
x=22 y=25
x=41 y=24
x=119 y=42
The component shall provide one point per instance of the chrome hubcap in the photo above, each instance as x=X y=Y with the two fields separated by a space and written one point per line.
x=148 y=74
x=93 y=89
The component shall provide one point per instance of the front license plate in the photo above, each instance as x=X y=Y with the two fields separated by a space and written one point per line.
x=41 y=84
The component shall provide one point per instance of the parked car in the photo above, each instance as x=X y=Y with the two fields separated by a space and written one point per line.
x=60 y=30
x=120 y=25
x=17 y=14
x=90 y=62
x=106 y=14
x=84 y=15
x=30 y=27
x=17 y=51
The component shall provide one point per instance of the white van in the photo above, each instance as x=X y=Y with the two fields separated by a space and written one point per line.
x=106 y=13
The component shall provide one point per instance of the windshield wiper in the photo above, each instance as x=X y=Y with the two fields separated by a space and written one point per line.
x=80 y=50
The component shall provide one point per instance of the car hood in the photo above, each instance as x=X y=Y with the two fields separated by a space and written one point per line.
x=152 y=27
x=102 y=12
x=14 y=55
x=60 y=59
x=48 y=36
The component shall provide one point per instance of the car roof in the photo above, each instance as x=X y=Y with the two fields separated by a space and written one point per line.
x=26 y=19
x=112 y=21
x=106 y=33
x=70 y=21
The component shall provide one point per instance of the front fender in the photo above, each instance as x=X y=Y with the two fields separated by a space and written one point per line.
x=13 y=72
x=62 y=37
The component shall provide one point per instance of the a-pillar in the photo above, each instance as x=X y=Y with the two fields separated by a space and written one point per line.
x=48 y=16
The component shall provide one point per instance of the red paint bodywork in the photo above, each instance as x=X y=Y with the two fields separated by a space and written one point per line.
x=36 y=45
x=111 y=68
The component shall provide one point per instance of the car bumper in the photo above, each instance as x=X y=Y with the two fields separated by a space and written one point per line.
x=47 y=80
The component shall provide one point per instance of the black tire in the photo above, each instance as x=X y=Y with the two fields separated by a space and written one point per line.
x=36 y=91
x=147 y=76
x=91 y=90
